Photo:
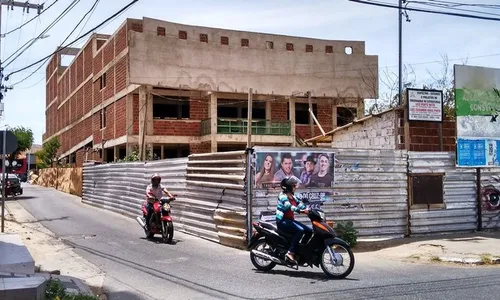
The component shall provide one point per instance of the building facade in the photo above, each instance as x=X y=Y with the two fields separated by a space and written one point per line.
x=180 y=89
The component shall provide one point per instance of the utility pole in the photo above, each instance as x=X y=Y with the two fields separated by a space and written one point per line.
x=400 y=11
x=26 y=8
x=249 y=121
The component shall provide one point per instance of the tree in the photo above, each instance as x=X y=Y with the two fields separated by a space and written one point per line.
x=24 y=141
x=48 y=153
x=442 y=80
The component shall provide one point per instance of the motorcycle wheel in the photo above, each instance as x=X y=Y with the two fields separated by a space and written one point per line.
x=326 y=256
x=259 y=263
x=167 y=232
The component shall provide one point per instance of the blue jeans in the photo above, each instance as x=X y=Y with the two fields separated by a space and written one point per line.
x=297 y=228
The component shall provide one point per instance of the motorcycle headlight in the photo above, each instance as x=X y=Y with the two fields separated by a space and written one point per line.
x=321 y=214
x=166 y=206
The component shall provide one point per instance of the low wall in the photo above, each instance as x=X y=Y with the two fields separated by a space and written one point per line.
x=67 y=180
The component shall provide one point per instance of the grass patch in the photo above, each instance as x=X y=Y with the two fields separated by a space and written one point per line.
x=55 y=291
x=486 y=259
x=435 y=259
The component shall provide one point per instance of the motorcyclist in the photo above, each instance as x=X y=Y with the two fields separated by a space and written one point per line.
x=287 y=205
x=155 y=191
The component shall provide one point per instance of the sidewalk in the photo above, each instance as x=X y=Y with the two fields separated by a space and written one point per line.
x=50 y=254
x=480 y=248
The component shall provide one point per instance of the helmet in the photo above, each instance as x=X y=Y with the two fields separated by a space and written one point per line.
x=288 y=183
x=155 y=179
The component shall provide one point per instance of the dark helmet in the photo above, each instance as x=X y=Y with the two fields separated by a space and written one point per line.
x=288 y=182
x=155 y=180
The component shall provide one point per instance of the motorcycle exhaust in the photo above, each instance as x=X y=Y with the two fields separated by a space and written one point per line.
x=140 y=221
x=266 y=256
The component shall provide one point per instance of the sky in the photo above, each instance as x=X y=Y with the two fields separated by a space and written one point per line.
x=425 y=39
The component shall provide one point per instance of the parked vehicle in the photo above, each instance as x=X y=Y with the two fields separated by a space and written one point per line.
x=269 y=245
x=13 y=186
x=160 y=221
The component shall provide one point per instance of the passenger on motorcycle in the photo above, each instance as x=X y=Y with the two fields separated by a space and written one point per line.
x=288 y=204
x=155 y=191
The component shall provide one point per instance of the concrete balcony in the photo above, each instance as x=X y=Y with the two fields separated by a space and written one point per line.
x=235 y=131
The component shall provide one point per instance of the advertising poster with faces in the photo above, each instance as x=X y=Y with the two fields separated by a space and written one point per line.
x=316 y=171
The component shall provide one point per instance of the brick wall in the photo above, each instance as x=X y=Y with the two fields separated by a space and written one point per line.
x=199 y=148
x=424 y=136
x=176 y=127
x=198 y=109
x=121 y=117
x=279 y=111
x=135 y=110
x=378 y=132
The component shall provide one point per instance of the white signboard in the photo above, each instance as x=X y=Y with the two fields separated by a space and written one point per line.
x=425 y=105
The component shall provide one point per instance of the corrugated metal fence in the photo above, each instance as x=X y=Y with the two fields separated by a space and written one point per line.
x=210 y=189
x=490 y=183
x=370 y=190
x=459 y=211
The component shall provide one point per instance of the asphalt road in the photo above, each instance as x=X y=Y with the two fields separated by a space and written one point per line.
x=194 y=268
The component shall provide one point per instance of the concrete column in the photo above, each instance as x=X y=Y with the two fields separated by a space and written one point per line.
x=334 y=118
x=143 y=99
x=162 y=148
x=268 y=114
x=291 y=108
x=213 y=122
x=360 y=108
x=129 y=121
x=116 y=153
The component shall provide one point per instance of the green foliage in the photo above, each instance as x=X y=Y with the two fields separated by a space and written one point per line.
x=347 y=232
x=48 y=154
x=134 y=156
x=24 y=140
x=55 y=291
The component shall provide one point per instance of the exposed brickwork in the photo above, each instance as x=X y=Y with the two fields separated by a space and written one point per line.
x=135 y=114
x=109 y=90
x=198 y=109
x=97 y=93
x=88 y=61
x=176 y=127
x=424 y=135
x=279 y=111
x=135 y=25
x=110 y=123
x=98 y=62
x=87 y=97
x=121 y=117
x=121 y=74
x=199 y=148
x=121 y=40
x=108 y=52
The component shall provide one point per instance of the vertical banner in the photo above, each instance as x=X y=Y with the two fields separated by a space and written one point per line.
x=477 y=105
x=315 y=169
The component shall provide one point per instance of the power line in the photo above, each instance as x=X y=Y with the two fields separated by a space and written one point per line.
x=30 y=20
x=31 y=42
x=76 y=40
x=383 y=4
x=74 y=29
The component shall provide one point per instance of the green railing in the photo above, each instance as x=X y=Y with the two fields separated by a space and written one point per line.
x=239 y=126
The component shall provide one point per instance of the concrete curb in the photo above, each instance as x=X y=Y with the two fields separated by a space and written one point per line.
x=470 y=260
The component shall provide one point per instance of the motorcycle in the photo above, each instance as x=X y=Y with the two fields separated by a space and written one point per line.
x=160 y=221
x=269 y=245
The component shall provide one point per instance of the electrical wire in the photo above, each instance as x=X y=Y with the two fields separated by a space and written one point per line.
x=76 y=40
x=30 y=20
x=388 y=5
x=67 y=37
x=33 y=41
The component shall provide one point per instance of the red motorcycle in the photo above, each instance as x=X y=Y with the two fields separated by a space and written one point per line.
x=160 y=221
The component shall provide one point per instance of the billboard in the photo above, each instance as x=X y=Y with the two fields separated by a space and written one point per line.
x=315 y=169
x=477 y=105
x=425 y=105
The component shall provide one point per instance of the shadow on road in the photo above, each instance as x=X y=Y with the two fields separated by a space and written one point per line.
x=21 y=197
x=158 y=240
x=123 y=295
x=302 y=274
